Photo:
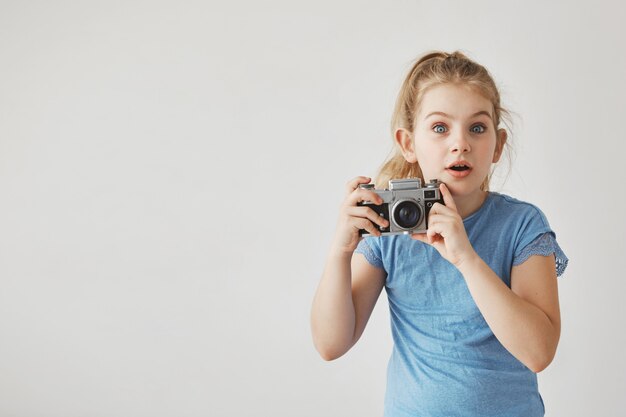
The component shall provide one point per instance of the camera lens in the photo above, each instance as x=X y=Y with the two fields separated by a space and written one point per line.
x=407 y=214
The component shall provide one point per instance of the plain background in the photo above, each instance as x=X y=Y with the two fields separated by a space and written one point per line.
x=171 y=173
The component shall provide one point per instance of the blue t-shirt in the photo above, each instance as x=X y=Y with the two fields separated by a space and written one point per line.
x=446 y=361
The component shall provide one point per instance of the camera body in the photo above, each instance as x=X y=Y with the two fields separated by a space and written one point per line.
x=406 y=205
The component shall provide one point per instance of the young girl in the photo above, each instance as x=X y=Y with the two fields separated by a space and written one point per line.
x=473 y=302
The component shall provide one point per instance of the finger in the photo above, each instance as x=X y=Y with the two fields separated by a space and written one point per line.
x=354 y=183
x=447 y=197
x=436 y=229
x=421 y=237
x=436 y=220
x=364 y=224
x=434 y=241
x=438 y=242
x=431 y=234
x=360 y=195
x=440 y=221
x=368 y=213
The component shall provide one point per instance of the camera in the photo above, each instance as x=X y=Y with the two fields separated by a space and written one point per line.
x=406 y=205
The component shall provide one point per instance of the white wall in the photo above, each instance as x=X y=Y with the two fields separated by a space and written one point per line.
x=170 y=174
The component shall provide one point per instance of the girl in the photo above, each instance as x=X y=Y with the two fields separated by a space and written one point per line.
x=473 y=302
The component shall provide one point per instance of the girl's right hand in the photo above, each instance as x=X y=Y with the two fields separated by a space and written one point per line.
x=352 y=218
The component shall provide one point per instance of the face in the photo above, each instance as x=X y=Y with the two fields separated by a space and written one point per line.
x=455 y=139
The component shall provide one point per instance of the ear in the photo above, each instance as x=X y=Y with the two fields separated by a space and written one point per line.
x=500 y=141
x=404 y=139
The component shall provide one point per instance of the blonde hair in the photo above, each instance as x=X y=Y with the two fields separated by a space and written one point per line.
x=433 y=69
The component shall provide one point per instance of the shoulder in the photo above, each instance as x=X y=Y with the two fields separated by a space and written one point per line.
x=504 y=201
x=527 y=221
x=513 y=208
x=519 y=227
x=508 y=219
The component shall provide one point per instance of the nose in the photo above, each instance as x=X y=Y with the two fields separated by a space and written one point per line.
x=460 y=143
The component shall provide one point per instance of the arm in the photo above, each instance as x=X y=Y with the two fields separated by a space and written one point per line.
x=349 y=286
x=524 y=318
x=343 y=303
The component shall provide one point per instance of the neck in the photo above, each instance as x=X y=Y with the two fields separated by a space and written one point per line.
x=469 y=204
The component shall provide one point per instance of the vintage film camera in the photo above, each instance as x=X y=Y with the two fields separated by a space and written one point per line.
x=405 y=204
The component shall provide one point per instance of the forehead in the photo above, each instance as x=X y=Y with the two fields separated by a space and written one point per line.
x=457 y=100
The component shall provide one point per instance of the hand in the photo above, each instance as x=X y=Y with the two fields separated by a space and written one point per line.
x=352 y=218
x=446 y=231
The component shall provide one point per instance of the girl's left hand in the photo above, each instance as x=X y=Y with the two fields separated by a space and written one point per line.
x=446 y=231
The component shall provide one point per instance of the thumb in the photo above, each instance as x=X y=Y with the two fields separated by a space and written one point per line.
x=422 y=237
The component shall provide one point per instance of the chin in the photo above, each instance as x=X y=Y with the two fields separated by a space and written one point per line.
x=463 y=189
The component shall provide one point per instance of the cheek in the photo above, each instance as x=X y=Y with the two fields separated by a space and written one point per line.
x=428 y=149
x=429 y=155
x=494 y=154
x=487 y=152
x=429 y=162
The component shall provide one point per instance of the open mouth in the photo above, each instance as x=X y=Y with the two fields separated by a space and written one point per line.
x=459 y=168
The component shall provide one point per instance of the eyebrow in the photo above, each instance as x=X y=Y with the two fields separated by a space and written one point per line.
x=439 y=113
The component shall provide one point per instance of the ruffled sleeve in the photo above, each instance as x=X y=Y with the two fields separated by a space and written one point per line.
x=544 y=245
x=368 y=248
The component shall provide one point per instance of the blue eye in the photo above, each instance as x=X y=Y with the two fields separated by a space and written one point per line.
x=439 y=129
x=481 y=129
